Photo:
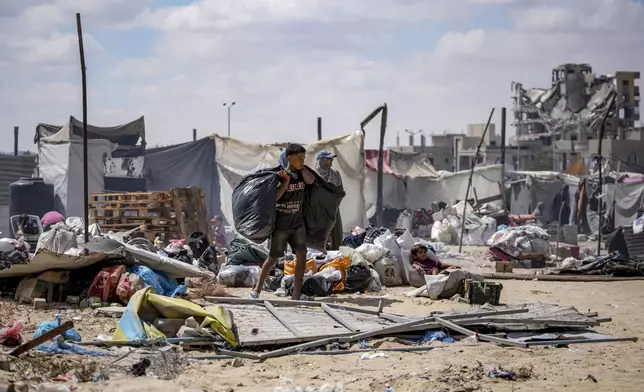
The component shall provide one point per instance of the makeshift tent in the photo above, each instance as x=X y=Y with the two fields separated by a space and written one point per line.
x=399 y=169
x=550 y=188
x=624 y=201
x=185 y=165
x=410 y=181
x=235 y=158
x=60 y=158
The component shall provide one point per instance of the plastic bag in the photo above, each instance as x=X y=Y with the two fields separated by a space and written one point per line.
x=320 y=207
x=406 y=240
x=375 y=285
x=445 y=232
x=159 y=281
x=371 y=252
x=358 y=278
x=274 y=281
x=47 y=326
x=57 y=240
x=253 y=202
x=238 y=275
x=388 y=270
x=10 y=336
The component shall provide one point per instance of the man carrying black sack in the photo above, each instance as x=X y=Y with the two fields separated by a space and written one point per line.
x=289 y=220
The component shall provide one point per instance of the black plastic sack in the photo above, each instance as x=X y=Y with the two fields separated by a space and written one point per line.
x=254 y=200
x=320 y=208
x=358 y=278
x=274 y=280
x=312 y=286
x=198 y=243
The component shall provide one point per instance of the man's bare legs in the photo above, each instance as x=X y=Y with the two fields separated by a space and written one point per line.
x=268 y=266
x=300 y=267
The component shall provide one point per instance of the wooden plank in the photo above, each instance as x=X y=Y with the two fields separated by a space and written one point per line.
x=346 y=323
x=486 y=338
x=178 y=212
x=281 y=319
x=285 y=302
x=560 y=278
x=42 y=338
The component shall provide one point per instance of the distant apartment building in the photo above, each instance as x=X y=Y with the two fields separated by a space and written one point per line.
x=562 y=120
x=455 y=151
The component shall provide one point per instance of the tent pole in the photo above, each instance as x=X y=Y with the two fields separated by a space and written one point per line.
x=469 y=183
x=600 y=161
x=85 y=166
x=383 y=129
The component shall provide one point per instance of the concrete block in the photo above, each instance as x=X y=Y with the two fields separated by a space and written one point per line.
x=40 y=303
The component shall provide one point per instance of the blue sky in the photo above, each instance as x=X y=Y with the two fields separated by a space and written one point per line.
x=438 y=64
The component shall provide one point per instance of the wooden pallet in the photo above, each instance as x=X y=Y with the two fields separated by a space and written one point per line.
x=175 y=213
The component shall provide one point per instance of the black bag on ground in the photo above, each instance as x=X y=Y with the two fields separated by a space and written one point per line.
x=358 y=278
x=254 y=201
x=321 y=205
x=312 y=286
x=198 y=243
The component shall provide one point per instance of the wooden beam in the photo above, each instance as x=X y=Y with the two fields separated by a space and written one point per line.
x=284 y=302
x=485 y=338
x=334 y=315
x=42 y=338
x=281 y=319
x=560 y=277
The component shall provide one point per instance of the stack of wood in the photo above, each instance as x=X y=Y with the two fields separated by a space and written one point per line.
x=173 y=214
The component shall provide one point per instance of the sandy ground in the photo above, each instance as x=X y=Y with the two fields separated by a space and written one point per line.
x=455 y=367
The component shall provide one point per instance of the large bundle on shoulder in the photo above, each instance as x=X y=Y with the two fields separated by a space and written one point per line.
x=255 y=198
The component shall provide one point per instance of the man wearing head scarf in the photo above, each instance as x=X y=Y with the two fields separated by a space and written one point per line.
x=324 y=167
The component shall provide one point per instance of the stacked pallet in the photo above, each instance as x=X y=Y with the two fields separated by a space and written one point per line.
x=173 y=214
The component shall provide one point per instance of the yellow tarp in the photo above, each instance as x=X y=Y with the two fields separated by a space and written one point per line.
x=132 y=327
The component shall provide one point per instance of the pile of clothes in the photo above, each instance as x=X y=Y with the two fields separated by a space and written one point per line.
x=511 y=243
x=13 y=252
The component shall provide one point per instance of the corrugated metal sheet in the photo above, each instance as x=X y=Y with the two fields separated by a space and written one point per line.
x=11 y=169
x=634 y=243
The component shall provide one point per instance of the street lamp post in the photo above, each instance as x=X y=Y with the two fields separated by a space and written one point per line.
x=229 y=106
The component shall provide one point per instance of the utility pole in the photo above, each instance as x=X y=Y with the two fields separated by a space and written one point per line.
x=15 y=140
x=503 y=130
x=229 y=106
x=319 y=128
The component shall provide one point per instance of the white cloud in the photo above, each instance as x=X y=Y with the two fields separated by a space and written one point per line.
x=287 y=62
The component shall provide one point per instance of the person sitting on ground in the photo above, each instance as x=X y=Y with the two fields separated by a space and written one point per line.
x=426 y=263
x=289 y=220
x=219 y=231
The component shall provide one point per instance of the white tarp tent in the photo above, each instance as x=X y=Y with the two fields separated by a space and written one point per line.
x=60 y=158
x=235 y=158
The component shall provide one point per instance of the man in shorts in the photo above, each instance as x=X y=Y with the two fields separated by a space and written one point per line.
x=289 y=220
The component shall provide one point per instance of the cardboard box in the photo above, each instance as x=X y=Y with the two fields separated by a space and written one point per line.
x=503 y=266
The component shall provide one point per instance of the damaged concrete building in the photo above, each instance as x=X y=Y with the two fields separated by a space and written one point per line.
x=561 y=124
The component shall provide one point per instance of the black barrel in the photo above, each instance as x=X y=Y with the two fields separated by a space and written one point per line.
x=31 y=195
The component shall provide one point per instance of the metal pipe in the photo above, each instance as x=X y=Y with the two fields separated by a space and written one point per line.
x=15 y=140
x=319 y=128
x=85 y=158
x=563 y=203
x=579 y=341
x=601 y=179
x=469 y=183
